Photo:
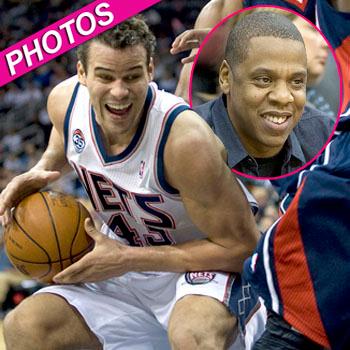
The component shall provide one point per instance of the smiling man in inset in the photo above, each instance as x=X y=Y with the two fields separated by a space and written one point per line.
x=263 y=79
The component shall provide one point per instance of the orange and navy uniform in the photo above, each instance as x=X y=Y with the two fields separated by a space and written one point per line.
x=301 y=265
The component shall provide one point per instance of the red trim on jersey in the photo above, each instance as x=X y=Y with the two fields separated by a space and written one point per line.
x=230 y=280
x=294 y=279
x=299 y=3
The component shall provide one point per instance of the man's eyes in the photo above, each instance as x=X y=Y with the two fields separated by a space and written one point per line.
x=263 y=80
x=298 y=83
x=132 y=77
x=105 y=77
x=109 y=78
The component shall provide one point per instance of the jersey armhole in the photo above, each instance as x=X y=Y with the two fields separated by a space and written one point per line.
x=68 y=116
x=160 y=152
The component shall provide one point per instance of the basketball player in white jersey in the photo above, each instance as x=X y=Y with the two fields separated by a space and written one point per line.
x=174 y=216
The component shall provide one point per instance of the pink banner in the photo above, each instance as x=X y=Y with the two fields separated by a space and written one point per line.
x=66 y=34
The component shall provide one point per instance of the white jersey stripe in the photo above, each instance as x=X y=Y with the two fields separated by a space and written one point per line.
x=269 y=278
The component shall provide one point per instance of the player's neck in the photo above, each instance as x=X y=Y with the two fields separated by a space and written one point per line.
x=116 y=140
x=117 y=143
x=117 y=136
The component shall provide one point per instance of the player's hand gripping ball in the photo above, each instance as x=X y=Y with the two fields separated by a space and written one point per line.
x=47 y=234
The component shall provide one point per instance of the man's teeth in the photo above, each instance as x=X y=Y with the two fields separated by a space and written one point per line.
x=118 y=107
x=275 y=119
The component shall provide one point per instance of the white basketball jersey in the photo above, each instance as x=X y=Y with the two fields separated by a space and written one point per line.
x=129 y=190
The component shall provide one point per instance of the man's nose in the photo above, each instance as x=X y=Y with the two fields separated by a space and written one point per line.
x=281 y=93
x=119 y=90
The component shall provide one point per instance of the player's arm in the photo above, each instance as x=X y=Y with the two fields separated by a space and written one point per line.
x=211 y=14
x=195 y=166
x=341 y=5
x=54 y=159
x=52 y=162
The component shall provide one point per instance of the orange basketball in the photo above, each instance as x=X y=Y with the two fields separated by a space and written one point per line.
x=47 y=234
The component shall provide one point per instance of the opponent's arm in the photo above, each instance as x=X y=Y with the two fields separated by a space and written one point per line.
x=214 y=200
x=211 y=14
x=52 y=162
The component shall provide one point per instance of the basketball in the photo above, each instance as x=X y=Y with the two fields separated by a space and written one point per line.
x=47 y=234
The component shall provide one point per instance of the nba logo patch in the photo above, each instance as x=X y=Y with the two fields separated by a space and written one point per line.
x=78 y=140
x=200 y=277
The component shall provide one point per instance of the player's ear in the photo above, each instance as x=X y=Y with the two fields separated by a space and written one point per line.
x=81 y=73
x=151 y=69
x=224 y=76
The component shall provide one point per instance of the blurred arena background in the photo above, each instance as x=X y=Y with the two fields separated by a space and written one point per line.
x=24 y=123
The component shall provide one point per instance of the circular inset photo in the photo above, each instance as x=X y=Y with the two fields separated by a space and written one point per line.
x=273 y=95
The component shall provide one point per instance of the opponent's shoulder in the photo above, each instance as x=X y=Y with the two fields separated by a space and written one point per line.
x=215 y=10
x=59 y=99
x=190 y=128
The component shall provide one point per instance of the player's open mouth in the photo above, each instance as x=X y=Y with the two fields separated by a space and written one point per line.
x=118 y=109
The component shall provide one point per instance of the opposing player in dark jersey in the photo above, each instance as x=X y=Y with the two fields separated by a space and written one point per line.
x=301 y=265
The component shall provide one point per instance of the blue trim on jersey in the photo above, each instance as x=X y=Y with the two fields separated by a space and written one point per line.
x=98 y=137
x=160 y=161
x=67 y=116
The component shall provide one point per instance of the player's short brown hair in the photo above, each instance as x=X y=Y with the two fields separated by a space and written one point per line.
x=132 y=32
